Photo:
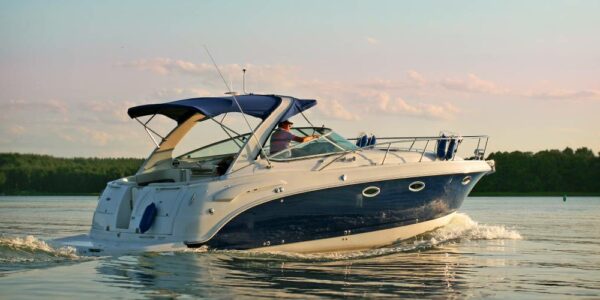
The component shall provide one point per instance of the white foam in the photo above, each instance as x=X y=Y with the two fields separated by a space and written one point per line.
x=200 y=249
x=463 y=227
x=30 y=245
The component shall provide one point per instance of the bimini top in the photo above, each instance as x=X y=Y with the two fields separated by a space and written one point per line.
x=260 y=106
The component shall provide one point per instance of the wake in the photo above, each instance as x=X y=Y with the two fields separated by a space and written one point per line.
x=460 y=229
x=29 y=249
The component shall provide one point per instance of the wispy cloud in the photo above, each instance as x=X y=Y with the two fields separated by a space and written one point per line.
x=416 y=77
x=15 y=130
x=336 y=110
x=170 y=93
x=473 y=84
x=413 y=80
x=20 y=105
x=105 y=110
x=346 y=100
x=256 y=73
x=385 y=103
x=372 y=40
x=165 y=66
x=94 y=136
x=563 y=94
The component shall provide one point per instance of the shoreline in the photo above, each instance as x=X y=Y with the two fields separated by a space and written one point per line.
x=537 y=194
x=481 y=194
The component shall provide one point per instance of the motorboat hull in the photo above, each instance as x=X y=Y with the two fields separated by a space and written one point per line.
x=338 y=218
x=345 y=211
x=361 y=241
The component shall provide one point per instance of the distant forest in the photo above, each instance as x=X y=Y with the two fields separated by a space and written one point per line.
x=550 y=172
x=32 y=174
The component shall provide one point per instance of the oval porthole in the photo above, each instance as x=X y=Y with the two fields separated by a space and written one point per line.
x=466 y=180
x=416 y=186
x=371 y=191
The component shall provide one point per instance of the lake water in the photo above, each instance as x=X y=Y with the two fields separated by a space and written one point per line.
x=496 y=248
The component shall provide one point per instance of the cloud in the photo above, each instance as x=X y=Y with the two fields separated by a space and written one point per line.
x=182 y=93
x=372 y=40
x=384 y=103
x=416 y=78
x=563 y=94
x=335 y=109
x=344 y=100
x=264 y=74
x=65 y=137
x=473 y=84
x=15 y=130
x=165 y=66
x=105 y=111
x=96 y=137
x=19 y=105
x=413 y=80
x=58 y=106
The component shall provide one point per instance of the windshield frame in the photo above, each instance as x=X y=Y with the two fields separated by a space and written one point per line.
x=244 y=137
x=324 y=137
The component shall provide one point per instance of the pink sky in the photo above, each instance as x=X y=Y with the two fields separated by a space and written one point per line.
x=527 y=74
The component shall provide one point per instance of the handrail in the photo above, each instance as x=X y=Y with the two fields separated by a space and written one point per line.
x=479 y=153
x=424 y=137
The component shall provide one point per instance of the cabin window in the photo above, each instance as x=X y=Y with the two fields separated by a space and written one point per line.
x=371 y=191
x=466 y=180
x=416 y=186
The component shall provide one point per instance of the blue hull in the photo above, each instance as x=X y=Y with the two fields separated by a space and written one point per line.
x=343 y=210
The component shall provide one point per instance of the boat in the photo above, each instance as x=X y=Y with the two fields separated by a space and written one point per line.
x=326 y=194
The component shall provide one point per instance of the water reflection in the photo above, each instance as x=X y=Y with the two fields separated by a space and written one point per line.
x=436 y=272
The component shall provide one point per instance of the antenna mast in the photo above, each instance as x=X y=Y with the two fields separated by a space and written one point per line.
x=244 y=81
x=238 y=105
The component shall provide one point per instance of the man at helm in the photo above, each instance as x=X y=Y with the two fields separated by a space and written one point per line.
x=281 y=138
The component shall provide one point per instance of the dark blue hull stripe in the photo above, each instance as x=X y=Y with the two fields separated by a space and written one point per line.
x=343 y=210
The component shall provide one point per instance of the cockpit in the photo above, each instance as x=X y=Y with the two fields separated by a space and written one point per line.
x=239 y=148
x=216 y=157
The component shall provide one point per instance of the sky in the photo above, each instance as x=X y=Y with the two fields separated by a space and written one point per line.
x=526 y=73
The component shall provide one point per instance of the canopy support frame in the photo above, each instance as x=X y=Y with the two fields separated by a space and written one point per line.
x=150 y=130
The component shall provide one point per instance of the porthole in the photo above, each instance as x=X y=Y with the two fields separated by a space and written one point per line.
x=466 y=180
x=416 y=186
x=371 y=191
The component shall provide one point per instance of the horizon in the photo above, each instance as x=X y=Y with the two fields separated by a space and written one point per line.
x=143 y=158
x=526 y=74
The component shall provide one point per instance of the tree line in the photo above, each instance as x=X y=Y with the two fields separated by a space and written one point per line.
x=31 y=174
x=550 y=172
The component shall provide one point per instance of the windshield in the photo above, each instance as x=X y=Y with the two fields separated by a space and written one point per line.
x=229 y=146
x=328 y=142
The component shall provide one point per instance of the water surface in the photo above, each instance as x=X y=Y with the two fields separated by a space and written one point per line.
x=496 y=248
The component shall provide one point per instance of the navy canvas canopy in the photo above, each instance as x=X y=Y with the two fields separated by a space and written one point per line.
x=259 y=106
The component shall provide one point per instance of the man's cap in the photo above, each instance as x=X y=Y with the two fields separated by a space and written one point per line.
x=286 y=121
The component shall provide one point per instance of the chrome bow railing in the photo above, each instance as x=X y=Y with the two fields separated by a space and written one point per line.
x=478 y=153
